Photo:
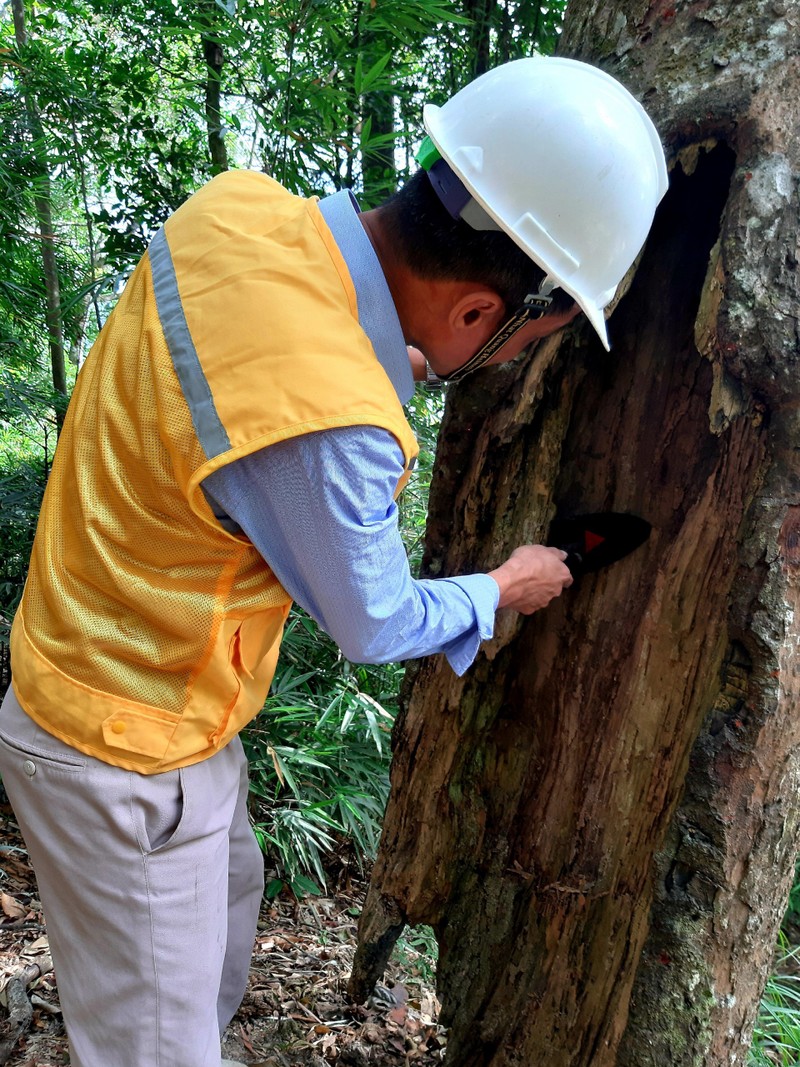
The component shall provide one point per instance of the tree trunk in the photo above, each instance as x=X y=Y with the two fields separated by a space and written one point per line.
x=213 y=56
x=376 y=108
x=378 y=169
x=42 y=197
x=534 y=814
x=481 y=14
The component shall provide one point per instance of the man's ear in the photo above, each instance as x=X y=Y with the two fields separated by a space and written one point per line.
x=476 y=310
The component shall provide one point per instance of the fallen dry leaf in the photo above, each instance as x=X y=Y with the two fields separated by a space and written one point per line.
x=398 y=1014
x=12 y=907
x=35 y=948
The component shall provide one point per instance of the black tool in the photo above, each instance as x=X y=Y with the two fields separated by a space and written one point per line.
x=595 y=541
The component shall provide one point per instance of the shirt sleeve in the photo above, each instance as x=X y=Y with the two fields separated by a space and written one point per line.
x=320 y=510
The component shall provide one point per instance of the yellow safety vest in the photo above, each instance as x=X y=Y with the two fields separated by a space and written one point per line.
x=147 y=634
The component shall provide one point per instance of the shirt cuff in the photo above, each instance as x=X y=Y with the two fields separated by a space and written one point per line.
x=484 y=593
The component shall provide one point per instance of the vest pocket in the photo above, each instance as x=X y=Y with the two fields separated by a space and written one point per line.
x=137 y=731
x=252 y=652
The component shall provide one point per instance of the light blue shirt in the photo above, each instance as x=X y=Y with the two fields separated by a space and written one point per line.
x=320 y=509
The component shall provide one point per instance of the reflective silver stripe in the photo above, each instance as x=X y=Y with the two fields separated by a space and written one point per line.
x=376 y=312
x=207 y=425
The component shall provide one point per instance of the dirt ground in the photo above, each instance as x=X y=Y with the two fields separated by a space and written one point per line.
x=295 y=1012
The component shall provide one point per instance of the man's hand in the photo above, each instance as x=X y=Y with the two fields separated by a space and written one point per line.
x=419 y=365
x=531 y=577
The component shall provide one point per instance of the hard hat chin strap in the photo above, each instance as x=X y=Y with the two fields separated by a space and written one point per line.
x=536 y=304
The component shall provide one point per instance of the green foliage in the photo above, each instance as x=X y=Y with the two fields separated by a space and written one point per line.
x=319 y=755
x=23 y=473
x=791 y=921
x=424 y=412
x=417 y=952
x=776 y=1038
x=319 y=105
x=27 y=442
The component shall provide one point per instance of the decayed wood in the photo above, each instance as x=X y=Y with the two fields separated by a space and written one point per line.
x=20 y=1010
x=529 y=798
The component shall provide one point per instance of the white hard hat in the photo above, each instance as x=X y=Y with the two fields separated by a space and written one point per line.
x=561 y=157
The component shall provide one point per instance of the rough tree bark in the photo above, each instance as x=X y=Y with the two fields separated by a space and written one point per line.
x=534 y=818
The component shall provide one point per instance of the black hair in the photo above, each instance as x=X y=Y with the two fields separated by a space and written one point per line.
x=435 y=246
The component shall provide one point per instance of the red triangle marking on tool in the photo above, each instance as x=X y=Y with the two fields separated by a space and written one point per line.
x=591 y=540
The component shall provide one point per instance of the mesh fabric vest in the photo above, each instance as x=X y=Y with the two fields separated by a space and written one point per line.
x=147 y=634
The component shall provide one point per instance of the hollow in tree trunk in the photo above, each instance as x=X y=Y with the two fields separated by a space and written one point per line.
x=599 y=820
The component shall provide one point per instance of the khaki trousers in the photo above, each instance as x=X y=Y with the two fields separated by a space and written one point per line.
x=150 y=886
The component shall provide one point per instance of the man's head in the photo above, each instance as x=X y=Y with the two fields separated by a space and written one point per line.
x=438 y=247
x=539 y=186
x=473 y=280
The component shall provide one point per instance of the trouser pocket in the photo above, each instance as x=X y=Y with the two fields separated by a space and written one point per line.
x=157 y=807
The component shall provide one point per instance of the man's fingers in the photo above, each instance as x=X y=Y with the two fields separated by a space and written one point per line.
x=531 y=577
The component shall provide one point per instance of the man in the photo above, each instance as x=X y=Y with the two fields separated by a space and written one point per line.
x=235 y=441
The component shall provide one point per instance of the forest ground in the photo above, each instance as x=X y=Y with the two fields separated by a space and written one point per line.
x=295 y=1012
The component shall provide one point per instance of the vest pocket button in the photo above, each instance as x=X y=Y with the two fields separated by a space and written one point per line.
x=29 y=767
x=118 y=727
